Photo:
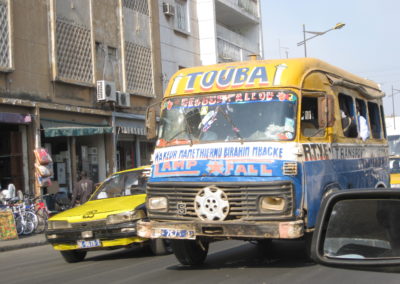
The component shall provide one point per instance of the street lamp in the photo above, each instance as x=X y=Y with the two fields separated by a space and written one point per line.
x=394 y=91
x=315 y=34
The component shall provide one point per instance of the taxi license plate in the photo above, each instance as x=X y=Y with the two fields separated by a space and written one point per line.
x=89 y=244
x=174 y=234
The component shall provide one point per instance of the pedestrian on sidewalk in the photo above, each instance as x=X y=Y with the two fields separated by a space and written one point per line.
x=83 y=189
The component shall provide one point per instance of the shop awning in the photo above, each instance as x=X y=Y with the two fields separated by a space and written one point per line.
x=130 y=126
x=55 y=128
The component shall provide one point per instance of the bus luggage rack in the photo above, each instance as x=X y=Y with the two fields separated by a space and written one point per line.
x=244 y=200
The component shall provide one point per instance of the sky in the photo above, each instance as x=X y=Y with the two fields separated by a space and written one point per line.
x=368 y=45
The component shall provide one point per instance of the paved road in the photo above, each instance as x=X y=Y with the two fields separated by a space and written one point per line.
x=227 y=262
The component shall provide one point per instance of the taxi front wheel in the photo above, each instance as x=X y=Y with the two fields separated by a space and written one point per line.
x=72 y=256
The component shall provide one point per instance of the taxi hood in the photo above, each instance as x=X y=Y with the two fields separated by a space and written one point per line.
x=100 y=209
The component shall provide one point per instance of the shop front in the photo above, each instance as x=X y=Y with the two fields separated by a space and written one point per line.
x=132 y=148
x=13 y=150
x=75 y=145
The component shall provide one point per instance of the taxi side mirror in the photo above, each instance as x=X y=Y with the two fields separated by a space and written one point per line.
x=358 y=228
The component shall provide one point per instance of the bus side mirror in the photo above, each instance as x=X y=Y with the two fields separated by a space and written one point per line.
x=151 y=123
x=358 y=228
x=326 y=114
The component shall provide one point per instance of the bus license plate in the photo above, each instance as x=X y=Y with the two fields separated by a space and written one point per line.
x=174 y=234
x=89 y=244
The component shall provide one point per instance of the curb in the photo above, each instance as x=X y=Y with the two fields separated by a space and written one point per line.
x=25 y=245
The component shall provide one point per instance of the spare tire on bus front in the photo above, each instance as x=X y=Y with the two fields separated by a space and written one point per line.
x=190 y=252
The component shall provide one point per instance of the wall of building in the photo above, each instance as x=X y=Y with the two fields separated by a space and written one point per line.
x=179 y=48
x=207 y=31
x=59 y=49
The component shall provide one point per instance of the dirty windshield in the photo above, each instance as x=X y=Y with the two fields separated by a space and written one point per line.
x=245 y=116
x=121 y=184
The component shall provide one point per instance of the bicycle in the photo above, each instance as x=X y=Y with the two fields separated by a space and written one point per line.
x=25 y=220
x=42 y=214
x=39 y=208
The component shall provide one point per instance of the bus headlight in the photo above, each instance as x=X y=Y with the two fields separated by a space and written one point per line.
x=125 y=217
x=272 y=203
x=157 y=203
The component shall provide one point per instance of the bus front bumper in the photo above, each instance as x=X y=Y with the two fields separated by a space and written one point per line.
x=231 y=230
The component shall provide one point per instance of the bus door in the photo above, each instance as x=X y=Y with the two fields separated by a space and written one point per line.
x=316 y=115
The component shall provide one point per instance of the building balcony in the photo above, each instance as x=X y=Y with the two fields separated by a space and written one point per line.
x=233 y=46
x=237 y=12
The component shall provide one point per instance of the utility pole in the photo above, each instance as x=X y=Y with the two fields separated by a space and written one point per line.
x=315 y=34
x=394 y=91
x=304 y=40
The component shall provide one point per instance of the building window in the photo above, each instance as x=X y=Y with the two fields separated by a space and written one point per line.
x=73 y=48
x=181 y=17
x=5 y=36
x=137 y=59
x=140 y=6
x=139 y=69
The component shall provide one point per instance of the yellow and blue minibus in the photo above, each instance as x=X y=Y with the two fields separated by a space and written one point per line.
x=247 y=150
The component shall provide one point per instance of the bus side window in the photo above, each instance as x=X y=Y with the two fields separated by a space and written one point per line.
x=383 y=122
x=349 y=124
x=309 y=118
x=375 y=121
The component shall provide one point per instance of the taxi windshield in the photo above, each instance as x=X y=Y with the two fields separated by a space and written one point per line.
x=244 y=116
x=121 y=184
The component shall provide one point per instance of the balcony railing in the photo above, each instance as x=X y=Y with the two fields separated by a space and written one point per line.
x=228 y=52
x=250 y=6
x=236 y=39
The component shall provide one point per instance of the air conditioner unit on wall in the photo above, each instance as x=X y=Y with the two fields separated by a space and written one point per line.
x=106 y=91
x=123 y=99
x=168 y=9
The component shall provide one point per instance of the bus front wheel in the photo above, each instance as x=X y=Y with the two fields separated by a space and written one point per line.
x=190 y=252
x=72 y=256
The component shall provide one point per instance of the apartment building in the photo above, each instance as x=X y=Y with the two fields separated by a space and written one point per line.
x=76 y=77
x=201 y=32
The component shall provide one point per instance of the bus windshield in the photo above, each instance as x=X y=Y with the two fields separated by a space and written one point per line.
x=244 y=116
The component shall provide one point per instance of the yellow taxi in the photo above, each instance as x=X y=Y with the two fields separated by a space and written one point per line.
x=107 y=220
x=394 y=163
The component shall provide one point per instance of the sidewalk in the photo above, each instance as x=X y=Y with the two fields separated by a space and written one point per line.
x=23 y=242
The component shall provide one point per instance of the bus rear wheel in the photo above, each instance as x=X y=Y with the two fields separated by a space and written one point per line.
x=190 y=252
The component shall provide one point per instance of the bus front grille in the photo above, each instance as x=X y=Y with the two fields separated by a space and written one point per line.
x=243 y=198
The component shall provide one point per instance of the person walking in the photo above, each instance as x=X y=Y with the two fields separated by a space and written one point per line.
x=83 y=189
